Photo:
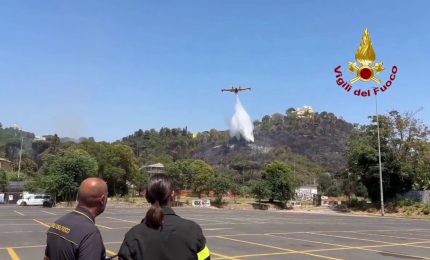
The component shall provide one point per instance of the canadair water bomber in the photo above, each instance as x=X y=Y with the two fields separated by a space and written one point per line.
x=235 y=90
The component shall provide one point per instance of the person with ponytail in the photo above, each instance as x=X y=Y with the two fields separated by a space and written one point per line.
x=163 y=235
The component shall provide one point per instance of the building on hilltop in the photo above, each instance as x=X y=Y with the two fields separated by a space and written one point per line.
x=39 y=138
x=305 y=111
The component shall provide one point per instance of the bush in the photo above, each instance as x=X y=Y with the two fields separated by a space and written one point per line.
x=13 y=176
x=406 y=202
x=426 y=209
x=358 y=204
x=261 y=190
x=218 y=202
x=243 y=191
x=333 y=191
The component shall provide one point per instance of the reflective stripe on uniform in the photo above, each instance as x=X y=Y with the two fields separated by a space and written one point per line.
x=205 y=253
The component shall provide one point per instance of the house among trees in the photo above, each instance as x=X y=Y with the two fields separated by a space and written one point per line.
x=154 y=168
x=6 y=164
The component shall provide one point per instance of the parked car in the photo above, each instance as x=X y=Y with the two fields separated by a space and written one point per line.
x=37 y=200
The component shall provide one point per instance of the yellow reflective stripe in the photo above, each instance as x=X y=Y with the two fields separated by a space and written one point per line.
x=205 y=253
x=83 y=215
x=63 y=237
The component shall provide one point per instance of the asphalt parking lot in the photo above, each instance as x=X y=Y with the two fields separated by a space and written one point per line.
x=239 y=234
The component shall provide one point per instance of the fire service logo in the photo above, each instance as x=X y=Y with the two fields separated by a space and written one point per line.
x=364 y=70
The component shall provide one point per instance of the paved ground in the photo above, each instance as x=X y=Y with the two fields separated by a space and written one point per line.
x=239 y=234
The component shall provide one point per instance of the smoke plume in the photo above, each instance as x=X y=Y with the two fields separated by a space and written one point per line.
x=241 y=124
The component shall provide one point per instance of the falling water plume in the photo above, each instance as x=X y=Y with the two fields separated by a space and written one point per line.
x=241 y=124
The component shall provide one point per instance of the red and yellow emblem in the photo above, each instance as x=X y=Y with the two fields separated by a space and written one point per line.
x=365 y=56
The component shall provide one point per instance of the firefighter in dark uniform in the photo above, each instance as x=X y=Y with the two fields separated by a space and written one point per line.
x=163 y=235
x=75 y=235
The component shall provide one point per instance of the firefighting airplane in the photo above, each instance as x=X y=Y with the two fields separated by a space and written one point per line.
x=235 y=90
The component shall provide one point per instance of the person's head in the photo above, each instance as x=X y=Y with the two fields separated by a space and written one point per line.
x=93 y=194
x=159 y=193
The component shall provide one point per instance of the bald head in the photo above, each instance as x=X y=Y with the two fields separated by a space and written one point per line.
x=93 y=193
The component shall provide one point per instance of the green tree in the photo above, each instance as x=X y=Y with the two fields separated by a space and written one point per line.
x=164 y=159
x=140 y=181
x=261 y=190
x=117 y=163
x=28 y=167
x=361 y=190
x=54 y=146
x=333 y=191
x=279 y=177
x=203 y=177
x=363 y=162
x=3 y=180
x=421 y=168
x=182 y=173
x=38 y=148
x=64 y=172
x=325 y=181
x=122 y=157
x=221 y=185
x=402 y=138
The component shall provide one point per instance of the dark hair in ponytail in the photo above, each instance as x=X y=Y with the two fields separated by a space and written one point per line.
x=158 y=194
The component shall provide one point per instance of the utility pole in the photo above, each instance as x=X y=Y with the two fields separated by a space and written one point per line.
x=294 y=168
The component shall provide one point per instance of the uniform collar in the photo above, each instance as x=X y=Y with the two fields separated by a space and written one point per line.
x=168 y=211
x=85 y=213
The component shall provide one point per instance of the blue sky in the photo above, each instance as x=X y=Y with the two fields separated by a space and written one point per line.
x=107 y=68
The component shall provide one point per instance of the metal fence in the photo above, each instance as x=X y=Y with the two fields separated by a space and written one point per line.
x=10 y=197
x=418 y=195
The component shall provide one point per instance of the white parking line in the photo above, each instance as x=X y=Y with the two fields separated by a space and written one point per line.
x=49 y=212
x=17 y=212
x=212 y=229
x=123 y=220
x=103 y=226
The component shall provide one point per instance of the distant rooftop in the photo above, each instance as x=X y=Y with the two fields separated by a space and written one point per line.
x=157 y=165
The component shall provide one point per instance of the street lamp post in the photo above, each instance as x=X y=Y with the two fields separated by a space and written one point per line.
x=20 y=155
x=379 y=158
x=20 y=151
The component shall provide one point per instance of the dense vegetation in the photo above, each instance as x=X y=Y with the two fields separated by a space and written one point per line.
x=405 y=156
x=289 y=150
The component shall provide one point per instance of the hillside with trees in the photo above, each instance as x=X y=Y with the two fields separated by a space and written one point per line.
x=290 y=149
x=311 y=143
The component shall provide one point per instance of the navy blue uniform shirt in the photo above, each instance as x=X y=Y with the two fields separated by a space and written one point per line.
x=75 y=236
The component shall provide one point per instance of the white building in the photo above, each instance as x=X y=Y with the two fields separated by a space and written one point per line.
x=305 y=111
x=39 y=138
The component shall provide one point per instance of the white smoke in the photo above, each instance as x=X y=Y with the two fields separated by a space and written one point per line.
x=241 y=124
